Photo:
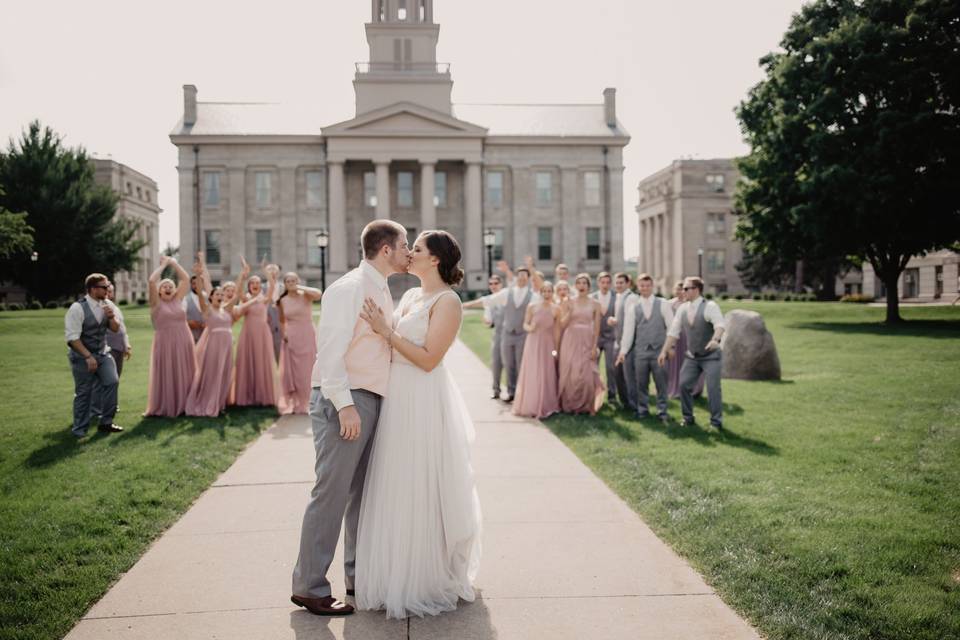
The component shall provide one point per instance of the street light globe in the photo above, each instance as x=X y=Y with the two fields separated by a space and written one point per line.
x=323 y=239
x=700 y=252
x=34 y=256
x=489 y=238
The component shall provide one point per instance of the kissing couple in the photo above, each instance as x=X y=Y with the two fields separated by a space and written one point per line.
x=392 y=437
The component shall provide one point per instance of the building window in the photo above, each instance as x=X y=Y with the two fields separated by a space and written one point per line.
x=404 y=189
x=593 y=243
x=716 y=260
x=264 y=245
x=440 y=189
x=211 y=189
x=402 y=10
x=411 y=237
x=147 y=195
x=129 y=188
x=370 y=188
x=497 y=252
x=313 y=251
x=544 y=189
x=314 y=189
x=716 y=224
x=544 y=243
x=262 y=181
x=591 y=188
x=139 y=193
x=211 y=244
x=715 y=181
x=495 y=189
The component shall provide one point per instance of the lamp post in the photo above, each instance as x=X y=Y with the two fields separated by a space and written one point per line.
x=700 y=263
x=489 y=237
x=323 y=238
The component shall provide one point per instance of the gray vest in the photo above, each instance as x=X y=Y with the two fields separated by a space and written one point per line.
x=496 y=316
x=513 y=315
x=650 y=333
x=608 y=333
x=699 y=335
x=116 y=340
x=195 y=315
x=93 y=334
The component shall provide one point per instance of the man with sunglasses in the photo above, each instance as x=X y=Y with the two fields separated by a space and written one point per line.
x=94 y=370
x=702 y=322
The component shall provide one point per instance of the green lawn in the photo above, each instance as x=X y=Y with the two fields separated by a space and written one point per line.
x=75 y=515
x=831 y=507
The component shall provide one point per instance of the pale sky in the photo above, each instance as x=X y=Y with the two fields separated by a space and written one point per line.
x=107 y=74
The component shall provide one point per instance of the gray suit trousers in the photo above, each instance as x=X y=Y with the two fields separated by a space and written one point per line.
x=609 y=353
x=646 y=366
x=89 y=389
x=627 y=382
x=511 y=351
x=341 y=468
x=496 y=362
x=689 y=375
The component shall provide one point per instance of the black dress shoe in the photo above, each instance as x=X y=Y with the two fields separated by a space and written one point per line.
x=718 y=425
x=689 y=423
x=509 y=399
x=109 y=428
x=495 y=395
x=351 y=592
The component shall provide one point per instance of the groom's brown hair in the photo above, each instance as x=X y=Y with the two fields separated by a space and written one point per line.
x=379 y=233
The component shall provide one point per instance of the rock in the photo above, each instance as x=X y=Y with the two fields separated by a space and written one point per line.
x=749 y=352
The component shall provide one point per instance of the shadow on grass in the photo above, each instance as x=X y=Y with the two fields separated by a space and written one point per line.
x=910 y=328
x=63 y=445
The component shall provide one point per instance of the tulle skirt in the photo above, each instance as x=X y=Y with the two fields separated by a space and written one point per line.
x=418 y=544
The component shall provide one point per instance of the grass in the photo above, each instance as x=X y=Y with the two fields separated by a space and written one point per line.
x=74 y=515
x=831 y=506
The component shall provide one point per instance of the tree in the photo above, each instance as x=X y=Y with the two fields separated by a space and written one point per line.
x=75 y=231
x=855 y=138
x=16 y=236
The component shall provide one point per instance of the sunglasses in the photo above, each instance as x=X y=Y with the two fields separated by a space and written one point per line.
x=690 y=288
x=100 y=286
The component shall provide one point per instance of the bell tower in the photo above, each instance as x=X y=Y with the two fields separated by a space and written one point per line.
x=403 y=63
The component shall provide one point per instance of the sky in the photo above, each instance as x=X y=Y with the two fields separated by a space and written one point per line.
x=108 y=74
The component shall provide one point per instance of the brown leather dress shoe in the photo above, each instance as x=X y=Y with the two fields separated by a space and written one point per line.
x=328 y=606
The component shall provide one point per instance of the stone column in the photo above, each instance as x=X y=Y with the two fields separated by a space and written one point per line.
x=428 y=210
x=570 y=244
x=642 y=247
x=474 y=224
x=383 y=189
x=288 y=240
x=237 y=244
x=339 y=242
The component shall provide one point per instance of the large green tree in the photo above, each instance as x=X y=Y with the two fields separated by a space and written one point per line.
x=855 y=138
x=75 y=230
x=16 y=236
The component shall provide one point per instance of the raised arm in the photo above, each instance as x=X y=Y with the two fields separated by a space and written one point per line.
x=183 y=284
x=311 y=293
x=154 y=280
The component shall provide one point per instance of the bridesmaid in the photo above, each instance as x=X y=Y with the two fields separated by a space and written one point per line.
x=211 y=383
x=563 y=291
x=172 y=361
x=674 y=364
x=254 y=378
x=581 y=387
x=537 y=382
x=298 y=349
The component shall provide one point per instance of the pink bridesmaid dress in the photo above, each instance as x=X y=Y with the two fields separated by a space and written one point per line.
x=172 y=361
x=581 y=387
x=536 y=395
x=211 y=383
x=253 y=382
x=298 y=353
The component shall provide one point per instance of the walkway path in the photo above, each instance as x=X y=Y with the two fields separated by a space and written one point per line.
x=563 y=556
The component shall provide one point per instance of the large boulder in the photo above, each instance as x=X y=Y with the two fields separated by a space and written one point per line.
x=749 y=352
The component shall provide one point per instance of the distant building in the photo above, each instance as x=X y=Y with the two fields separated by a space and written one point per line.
x=262 y=180
x=686 y=223
x=138 y=202
x=930 y=278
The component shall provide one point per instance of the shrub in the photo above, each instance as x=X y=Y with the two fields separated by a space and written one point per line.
x=3 y=306
x=787 y=298
x=123 y=303
x=769 y=296
x=51 y=305
x=739 y=296
x=708 y=296
x=757 y=296
x=724 y=296
x=857 y=297
x=66 y=304
x=35 y=305
x=15 y=306
x=141 y=301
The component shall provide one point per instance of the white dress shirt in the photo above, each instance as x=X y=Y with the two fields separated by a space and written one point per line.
x=118 y=315
x=604 y=299
x=73 y=322
x=342 y=303
x=193 y=296
x=688 y=311
x=645 y=305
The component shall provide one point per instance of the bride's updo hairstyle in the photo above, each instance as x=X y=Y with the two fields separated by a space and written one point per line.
x=444 y=247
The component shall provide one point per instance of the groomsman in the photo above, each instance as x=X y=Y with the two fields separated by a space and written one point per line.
x=514 y=301
x=493 y=318
x=646 y=324
x=94 y=371
x=191 y=304
x=702 y=322
x=626 y=376
x=607 y=337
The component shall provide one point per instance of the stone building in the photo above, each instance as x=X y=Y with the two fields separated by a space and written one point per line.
x=263 y=179
x=138 y=202
x=931 y=278
x=686 y=225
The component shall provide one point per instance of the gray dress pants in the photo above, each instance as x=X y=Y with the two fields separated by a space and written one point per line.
x=627 y=382
x=711 y=368
x=609 y=352
x=89 y=389
x=646 y=367
x=511 y=351
x=496 y=362
x=341 y=468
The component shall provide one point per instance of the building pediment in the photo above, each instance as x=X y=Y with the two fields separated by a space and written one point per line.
x=405 y=119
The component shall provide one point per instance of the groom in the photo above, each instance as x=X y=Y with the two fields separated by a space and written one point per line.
x=349 y=381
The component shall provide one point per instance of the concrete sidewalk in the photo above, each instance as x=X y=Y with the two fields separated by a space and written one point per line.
x=563 y=557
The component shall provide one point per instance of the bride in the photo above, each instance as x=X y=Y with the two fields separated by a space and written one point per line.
x=418 y=545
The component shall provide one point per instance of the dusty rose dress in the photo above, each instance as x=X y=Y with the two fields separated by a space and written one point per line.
x=673 y=365
x=581 y=387
x=211 y=384
x=172 y=362
x=537 y=382
x=254 y=378
x=298 y=354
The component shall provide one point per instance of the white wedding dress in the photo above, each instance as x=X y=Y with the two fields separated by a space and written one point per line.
x=418 y=544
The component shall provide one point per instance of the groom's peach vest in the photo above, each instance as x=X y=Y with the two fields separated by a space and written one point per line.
x=368 y=357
